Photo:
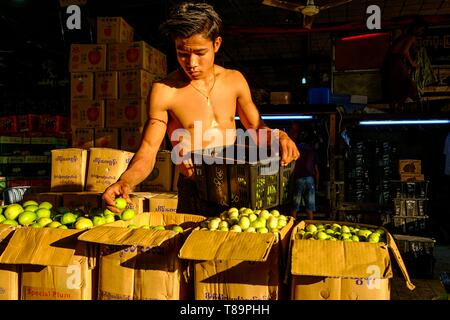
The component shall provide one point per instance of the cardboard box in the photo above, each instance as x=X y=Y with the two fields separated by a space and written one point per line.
x=136 y=55
x=55 y=265
x=83 y=138
x=280 y=98
x=106 y=138
x=87 y=114
x=49 y=123
x=9 y=273
x=106 y=85
x=238 y=266
x=409 y=166
x=141 y=201
x=105 y=167
x=130 y=138
x=164 y=202
x=87 y=57
x=412 y=177
x=82 y=200
x=340 y=270
x=29 y=123
x=82 y=86
x=113 y=30
x=139 y=264
x=126 y=113
x=68 y=169
x=9 y=124
x=160 y=179
x=135 y=84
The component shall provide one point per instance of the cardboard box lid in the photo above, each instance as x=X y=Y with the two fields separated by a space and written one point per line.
x=41 y=246
x=118 y=233
x=216 y=245
x=125 y=236
x=344 y=259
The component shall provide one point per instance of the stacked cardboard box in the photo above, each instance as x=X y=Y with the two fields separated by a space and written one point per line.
x=76 y=169
x=110 y=84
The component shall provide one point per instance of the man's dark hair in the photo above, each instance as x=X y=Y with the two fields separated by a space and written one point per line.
x=189 y=18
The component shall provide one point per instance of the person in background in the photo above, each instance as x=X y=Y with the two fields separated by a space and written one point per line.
x=306 y=173
x=199 y=92
x=397 y=82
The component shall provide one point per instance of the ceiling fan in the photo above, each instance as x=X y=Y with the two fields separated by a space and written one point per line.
x=308 y=11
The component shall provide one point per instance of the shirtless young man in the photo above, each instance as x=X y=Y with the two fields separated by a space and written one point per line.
x=199 y=92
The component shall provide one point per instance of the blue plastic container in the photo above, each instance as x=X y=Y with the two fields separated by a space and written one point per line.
x=319 y=96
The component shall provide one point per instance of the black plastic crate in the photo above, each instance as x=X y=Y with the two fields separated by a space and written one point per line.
x=286 y=187
x=418 y=254
x=250 y=188
x=410 y=207
x=409 y=189
x=407 y=224
x=239 y=180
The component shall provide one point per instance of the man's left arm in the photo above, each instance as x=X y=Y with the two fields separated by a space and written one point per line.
x=251 y=119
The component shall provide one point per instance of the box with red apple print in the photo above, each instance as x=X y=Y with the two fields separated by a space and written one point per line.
x=136 y=55
x=130 y=138
x=126 y=113
x=87 y=57
x=9 y=124
x=83 y=138
x=135 y=83
x=113 y=30
x=106 y=85
x=88 y=114
x=82 y=85
x=54 y=124
x=106 y=138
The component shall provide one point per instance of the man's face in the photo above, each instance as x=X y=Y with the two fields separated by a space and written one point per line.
x=196 y=54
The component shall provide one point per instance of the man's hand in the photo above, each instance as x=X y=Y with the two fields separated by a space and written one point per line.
x=118 y=189
x=289 y=150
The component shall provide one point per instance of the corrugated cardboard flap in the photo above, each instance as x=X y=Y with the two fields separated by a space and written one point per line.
x=5 y=230
x=398 y=258
x=127 y=237
x=118 y=233
x=41 y=246
x=217 y=245
x=339 y=259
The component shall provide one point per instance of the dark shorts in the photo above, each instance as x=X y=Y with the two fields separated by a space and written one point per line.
x=189 y=200
x=304 y=194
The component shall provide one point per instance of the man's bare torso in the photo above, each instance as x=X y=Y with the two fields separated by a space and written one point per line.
x=189 y=110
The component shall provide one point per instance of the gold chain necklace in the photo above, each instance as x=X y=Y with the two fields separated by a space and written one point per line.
x=208 y=96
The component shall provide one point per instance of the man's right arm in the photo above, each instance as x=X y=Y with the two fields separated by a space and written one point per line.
x=144 y=159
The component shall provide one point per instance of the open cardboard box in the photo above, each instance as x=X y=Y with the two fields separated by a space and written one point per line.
x=340 y=270
x=54 y=264
x=9 y=273
x=244 y=266
x=141 y=264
